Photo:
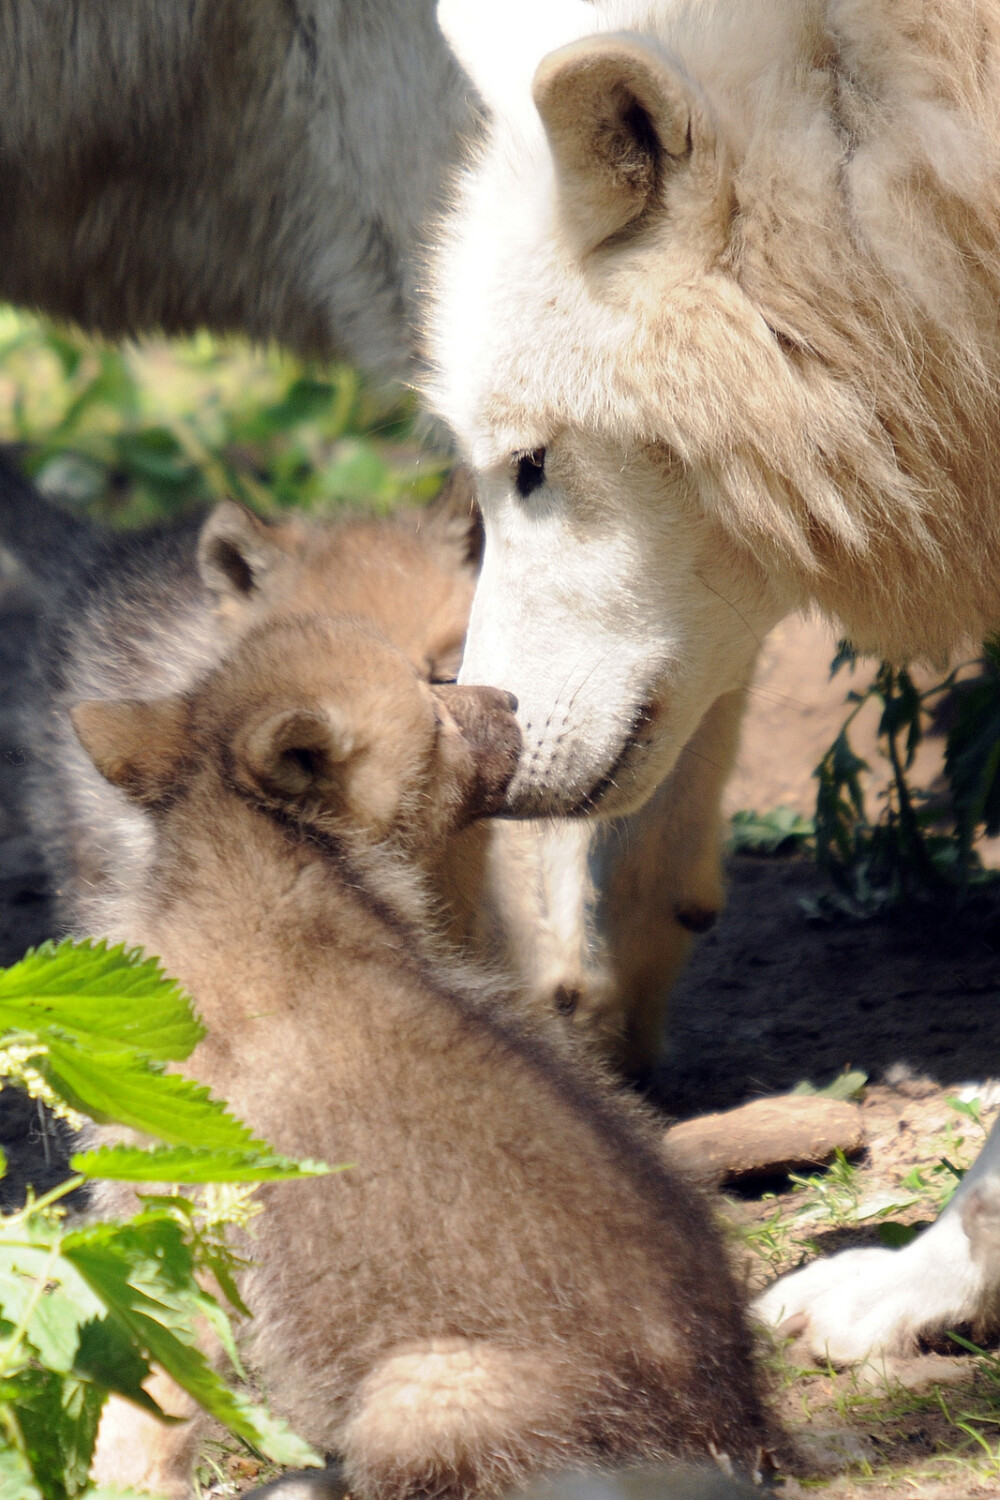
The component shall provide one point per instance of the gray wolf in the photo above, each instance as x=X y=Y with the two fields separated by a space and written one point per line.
x=259 y=166
x=448 y=1315
x=716 y=321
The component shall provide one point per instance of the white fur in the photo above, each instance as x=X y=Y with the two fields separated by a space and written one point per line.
x=723 y=444
x=873 y=1302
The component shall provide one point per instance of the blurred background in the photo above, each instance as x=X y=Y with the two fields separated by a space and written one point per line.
x=139 y=434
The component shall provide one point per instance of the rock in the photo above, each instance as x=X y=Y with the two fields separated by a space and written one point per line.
x=915 y=1373
x=831 y=1450
x=764 y=1138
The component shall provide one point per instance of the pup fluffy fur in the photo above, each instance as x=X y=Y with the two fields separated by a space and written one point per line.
x=506 y=1280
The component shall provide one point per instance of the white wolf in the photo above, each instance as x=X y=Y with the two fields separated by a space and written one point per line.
x=718 y=321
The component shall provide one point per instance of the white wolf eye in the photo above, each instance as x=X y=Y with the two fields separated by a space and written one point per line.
x=530 y=471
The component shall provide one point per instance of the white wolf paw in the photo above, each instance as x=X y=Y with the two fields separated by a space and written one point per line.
x=878 y=1302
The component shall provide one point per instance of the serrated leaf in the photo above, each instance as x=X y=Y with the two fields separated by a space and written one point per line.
x=119 y=1087
x=58 y=1418
x=108 y=1358
x=142 y=1272
x=54 y=1316
x=275 y=1439
x=191 y=1164
x=219 y=1267
x=90 y=991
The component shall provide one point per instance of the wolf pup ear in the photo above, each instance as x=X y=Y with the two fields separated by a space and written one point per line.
x=293 y=753
x=235 y=551
x=452 y=524
x=620 y=119
x=137 y=745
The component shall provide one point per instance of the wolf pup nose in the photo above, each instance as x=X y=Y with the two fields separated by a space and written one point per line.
x=485 y=719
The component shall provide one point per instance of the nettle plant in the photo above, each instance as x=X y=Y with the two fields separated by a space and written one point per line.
x=86 y=1307
x=919 y=844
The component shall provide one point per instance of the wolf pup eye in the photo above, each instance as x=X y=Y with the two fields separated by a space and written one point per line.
x=530 y=471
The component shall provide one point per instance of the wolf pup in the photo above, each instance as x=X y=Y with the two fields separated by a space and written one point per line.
x=448 y=1314
x=149 y=616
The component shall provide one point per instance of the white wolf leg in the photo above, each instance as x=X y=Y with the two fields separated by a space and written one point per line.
x=662 y=880
x=865 y=1302
x=540 y=915
x=608 y=953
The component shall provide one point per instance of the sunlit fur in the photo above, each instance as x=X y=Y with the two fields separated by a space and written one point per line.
x=777 y=388
x=505 y=1279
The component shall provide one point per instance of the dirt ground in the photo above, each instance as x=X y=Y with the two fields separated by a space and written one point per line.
x=770 y=999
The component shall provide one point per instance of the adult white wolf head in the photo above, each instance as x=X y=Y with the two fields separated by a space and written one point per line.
x=716 y=321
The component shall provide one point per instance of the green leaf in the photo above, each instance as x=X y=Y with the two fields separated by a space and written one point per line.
x=781 y=830
x=120 y=1087
x=16 y=1479
x=109 y=1359
x=142 y=1271
x=897 y=1236
x=220 y=1267
x=304 y=401
x=58 y=1418
x=91 y=991
x=191 y=1164
x=43 y=1288
x=846 y=1085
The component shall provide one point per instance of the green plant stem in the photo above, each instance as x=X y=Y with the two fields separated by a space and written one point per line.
x=41 y=1281
x=909 y=825
x=61 y=1190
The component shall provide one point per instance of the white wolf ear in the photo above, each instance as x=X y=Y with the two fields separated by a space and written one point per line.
x=294 y=752
x=235 y=550
x=136 y=744
x=619 y=118
x=500 y=44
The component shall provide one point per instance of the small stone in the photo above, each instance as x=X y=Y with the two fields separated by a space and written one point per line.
x=914 y=1373
x=831 y=1450
x=764 y=1138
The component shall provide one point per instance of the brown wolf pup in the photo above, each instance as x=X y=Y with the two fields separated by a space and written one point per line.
x=137 y=616
x=507 y=1279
